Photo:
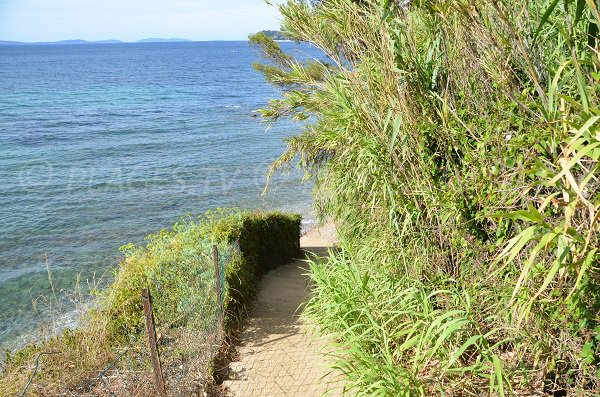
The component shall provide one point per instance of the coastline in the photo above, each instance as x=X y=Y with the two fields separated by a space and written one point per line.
x=321 y=235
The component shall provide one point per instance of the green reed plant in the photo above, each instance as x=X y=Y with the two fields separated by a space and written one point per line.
x=456 y=146
x=398 y=337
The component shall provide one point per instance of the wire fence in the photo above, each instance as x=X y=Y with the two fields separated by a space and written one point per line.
x=183 y=335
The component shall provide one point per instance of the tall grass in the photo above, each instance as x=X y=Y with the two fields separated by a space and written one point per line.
x=456 y=143
x=398 y=336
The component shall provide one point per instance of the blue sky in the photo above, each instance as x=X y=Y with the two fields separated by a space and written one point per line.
x=130 y=20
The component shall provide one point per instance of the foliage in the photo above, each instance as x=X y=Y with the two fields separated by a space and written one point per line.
x=398 y=337
x=177 y=266
x=265 y=241
x=457 y=146
x=274 y=34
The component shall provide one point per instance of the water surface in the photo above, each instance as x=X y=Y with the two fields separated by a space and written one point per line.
x=102 y=144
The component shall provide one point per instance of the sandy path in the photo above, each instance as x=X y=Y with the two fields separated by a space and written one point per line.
x=277 y=356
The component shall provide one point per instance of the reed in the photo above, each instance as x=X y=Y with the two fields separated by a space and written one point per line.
x=457 y=146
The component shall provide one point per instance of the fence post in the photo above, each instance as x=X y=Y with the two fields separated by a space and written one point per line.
x=158 y=376
x=215 y=255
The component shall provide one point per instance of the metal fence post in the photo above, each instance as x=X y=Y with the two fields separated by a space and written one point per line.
x=158 y=376
x=215 y=255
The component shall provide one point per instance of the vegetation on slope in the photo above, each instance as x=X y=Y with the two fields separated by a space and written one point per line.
x=177 y=266
x=457 y=145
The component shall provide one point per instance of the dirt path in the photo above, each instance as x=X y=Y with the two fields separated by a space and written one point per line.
x=278 y=356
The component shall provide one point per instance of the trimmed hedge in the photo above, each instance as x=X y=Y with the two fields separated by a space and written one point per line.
x=266 y=241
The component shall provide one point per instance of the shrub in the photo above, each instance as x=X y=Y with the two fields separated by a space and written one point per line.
x=265 y=241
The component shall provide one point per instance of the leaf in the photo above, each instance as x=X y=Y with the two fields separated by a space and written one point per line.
x=462 y=370
x=582 y=85
x=587 y=352
x=388 y=118
x=450 y=328
x=409 y=343
x=365 y=281
x=395 y=131
x=554 y=88
x=517 y=243
x=535 y=213
x=563 y=249
x=470 y=342
x=545 y=240
x=545 y=17
x=574 y=160
x=523 y=215
x=498 y=373
x=575 y=235
x=584 y=266
x=549 y=277
x=385 y=4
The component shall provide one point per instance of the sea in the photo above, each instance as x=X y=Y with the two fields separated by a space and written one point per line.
x=102 y=144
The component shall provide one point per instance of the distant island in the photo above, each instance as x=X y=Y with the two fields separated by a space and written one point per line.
x=274 y=34
x=111 y=41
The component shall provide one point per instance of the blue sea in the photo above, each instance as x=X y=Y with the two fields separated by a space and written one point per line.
x=102 y=144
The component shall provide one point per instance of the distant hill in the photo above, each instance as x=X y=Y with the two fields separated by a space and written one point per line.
x=72 y=42
x=155 y=40
x=81 y=42
x=274 y=34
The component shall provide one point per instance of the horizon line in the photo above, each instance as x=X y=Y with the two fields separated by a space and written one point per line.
x=116 y=41
x=119 y=41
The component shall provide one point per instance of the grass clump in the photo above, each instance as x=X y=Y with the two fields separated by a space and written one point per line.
x=457 y=146
x=176 y=265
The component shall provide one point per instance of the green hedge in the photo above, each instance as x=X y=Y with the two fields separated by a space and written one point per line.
x=266 y=241
x=179 y=260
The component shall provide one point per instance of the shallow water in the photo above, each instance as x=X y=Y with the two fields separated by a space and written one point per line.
x=103 y=144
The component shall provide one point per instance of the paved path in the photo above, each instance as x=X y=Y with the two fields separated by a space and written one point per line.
x=278 y=356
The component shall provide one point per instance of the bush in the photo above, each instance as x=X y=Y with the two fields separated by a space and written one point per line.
x=177 y=265
x=265 y=241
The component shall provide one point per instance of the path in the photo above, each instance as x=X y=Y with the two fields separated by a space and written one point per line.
x=276 y=356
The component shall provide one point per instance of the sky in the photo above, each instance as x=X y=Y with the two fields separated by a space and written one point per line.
x=131 y=20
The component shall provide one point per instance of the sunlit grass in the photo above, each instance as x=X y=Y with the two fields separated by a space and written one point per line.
x=457 y=146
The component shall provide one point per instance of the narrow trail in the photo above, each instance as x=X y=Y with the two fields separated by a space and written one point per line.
x=278 y=356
